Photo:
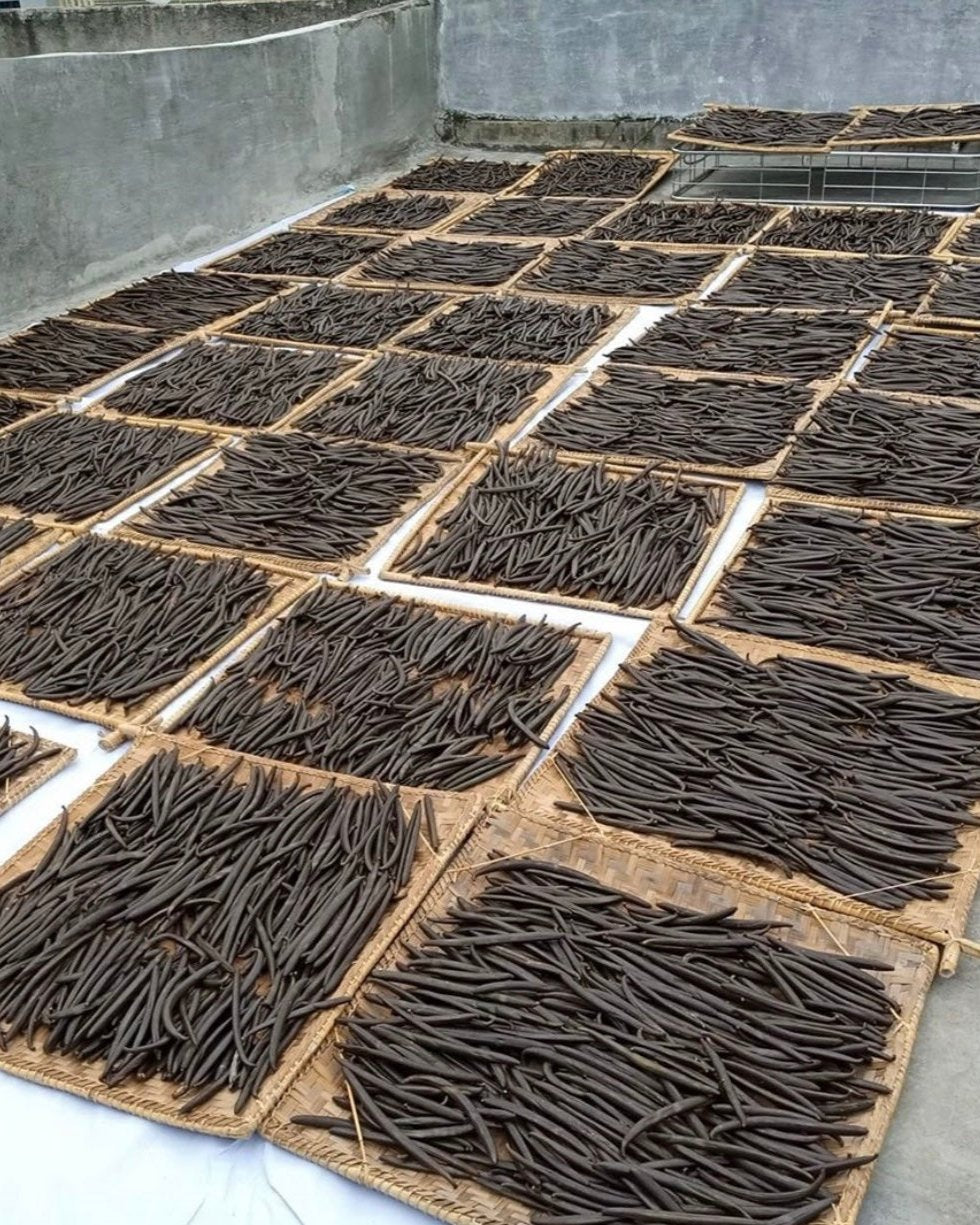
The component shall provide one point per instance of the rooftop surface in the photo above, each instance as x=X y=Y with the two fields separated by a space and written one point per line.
x=855 y=308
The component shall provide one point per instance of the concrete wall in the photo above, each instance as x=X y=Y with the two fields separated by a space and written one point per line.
x=114 y=165
x=47 y=31
x=599 y=58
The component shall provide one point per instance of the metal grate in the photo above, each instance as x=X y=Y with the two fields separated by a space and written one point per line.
x=896 y=179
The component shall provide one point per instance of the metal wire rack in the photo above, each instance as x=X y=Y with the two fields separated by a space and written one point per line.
x=907 y=179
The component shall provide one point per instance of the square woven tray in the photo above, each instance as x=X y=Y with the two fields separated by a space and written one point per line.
x=707 y=607
x=526 y=829
x=942 y=922
x=153 y=1098
x=456 y=491
x=759 y=472
x=283 y=591
x=590 y=650
x=138 y=528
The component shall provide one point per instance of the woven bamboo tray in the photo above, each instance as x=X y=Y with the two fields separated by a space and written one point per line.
x=228 y=332
x=590 y=649
x=293 y=278
x=183 y=335
x=283 y=591
x=682 y=138
x=454 y=494
x=778 y=213
x=46 y=539
x=324 y=218
x=902 y=329
x=706 y=608
x=525 y=282
x=527 y=829
x=925 y=313
x=153 y=1098
x=784 y=492
x=16 y=789
x=620 y=314
x=138 y=529
x=817 y=255
x=850 y=138
x=874 y=321
x=356 y=360
x=754 y=472
x=764 y=245
x=9 y=510
x=666 y=157
x=312 y=345
x=360 y=277
x=83 y=389
x=484 y=203
x=483 y=196
x=559 y=376
x=940 y=922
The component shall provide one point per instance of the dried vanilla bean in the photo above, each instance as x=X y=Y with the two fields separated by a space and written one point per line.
x=858 y=780
x=105 y=620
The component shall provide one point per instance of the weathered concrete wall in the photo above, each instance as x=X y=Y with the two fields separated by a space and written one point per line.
x=591 y=58
x=48 y=31
x=113 y=165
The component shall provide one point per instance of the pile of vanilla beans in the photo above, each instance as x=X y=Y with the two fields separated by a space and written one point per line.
x=484 y=264
x=391 y=213
x=531 y=521
x=192 y=923
x=510 y=328
x=302 y=253
x=931 y=123
x=607 y=270
x=61 y=355
x=14 y=534
x=532 y=217
x=882 y=447
x=14 y=408
x=601 y=1059
x=828 y=284
x=641 y=413
x=227 y=384
x=73 y=466
x=872 y=231
x=722 y=222
x=463 y=174
x=176 y=302
x=18 y=753
x=440 y=403
x=339 y=315
x=957 y=296
x=294 y=495
x=106 y=620
x=776 y=344
x=759 y=126
x=860 y=781
x=893 y=587
x=925 y=363
x=382 y=688
x=597 y=175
